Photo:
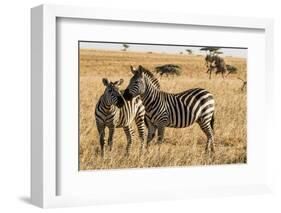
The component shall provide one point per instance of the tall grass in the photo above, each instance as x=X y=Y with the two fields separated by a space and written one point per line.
x=181 y=147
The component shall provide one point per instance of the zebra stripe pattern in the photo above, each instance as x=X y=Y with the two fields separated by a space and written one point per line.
x=165 y=109
x=113 y=111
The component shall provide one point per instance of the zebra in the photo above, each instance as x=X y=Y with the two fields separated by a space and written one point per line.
x=175 y=110
x=113 y=111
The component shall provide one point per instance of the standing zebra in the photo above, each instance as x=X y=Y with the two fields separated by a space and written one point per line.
x=113 y=111
x=165 y=109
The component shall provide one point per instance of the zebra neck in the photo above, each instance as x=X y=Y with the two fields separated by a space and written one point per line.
x=151 y=92
x=107 y=107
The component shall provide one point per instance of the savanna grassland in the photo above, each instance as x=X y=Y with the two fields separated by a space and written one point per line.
x=181 y=147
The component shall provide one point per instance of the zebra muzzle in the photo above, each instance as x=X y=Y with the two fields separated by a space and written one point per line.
x=120 y=102
x=127 y=95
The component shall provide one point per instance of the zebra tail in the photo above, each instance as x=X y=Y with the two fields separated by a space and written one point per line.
x=212 y=122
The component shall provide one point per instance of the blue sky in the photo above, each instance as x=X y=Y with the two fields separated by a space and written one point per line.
x=235 y=52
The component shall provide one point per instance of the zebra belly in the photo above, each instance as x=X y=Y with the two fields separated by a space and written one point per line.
x=183 y=119
x=111 y=123
x=158 y=119
x=175 y=125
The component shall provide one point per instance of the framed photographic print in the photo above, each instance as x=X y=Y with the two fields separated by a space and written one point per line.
x=129 y=106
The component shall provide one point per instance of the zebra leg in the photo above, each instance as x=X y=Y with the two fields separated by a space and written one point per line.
x=161 y=131
x=101 y=137
x=151 y=131
x=207 y=129
x=222 y=72
x=129 y=134
x=210 y=73
x=110 y=137
x=141 y=128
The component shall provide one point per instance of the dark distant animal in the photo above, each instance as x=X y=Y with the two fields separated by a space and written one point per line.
x=215 y=62
x=175 y=110
x=244 y=86
x=231 y=69
x=168 y=69
x=113 y=111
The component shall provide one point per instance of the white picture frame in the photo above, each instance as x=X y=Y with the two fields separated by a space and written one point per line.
x=44 y=154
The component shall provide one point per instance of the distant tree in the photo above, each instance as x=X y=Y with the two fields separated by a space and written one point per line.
x=189 y=51
x=204 y=49
x=181 y=53
x=125 y=47
x=210 y=49
x=168 y=69
x=214 y=49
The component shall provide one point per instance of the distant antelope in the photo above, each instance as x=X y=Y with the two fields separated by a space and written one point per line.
x=113 y=111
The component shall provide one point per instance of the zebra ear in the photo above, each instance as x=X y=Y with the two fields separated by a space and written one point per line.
x=140 y=71
x=133 y=70
x=118 y=83
x=121 y=81
x=105 y=81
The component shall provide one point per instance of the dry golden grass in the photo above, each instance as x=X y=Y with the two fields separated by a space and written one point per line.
x=181 y=147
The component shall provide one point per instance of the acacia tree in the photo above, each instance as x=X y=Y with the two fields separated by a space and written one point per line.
x=125 y=47
x=211 y=50
x=189 y=51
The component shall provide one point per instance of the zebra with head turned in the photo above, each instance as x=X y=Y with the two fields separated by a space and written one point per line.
x=113 y=111
x=177 y=110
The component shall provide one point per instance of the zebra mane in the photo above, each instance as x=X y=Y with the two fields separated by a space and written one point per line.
x=151 y=77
